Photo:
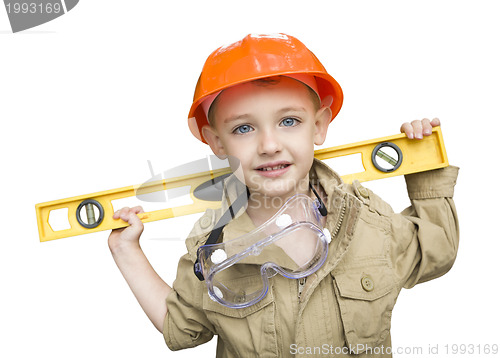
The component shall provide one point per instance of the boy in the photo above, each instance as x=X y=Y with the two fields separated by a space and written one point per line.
x=266 y=101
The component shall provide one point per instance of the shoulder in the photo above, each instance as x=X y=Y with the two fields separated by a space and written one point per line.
x=371 y=201
x=200 y=231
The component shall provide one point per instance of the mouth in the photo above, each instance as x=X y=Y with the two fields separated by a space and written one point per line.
x=273 y=169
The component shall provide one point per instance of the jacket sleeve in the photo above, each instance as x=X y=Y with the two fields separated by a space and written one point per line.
x=186 y=324
x=425 y=235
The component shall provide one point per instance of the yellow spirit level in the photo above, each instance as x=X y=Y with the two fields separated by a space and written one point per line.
x=381 y=158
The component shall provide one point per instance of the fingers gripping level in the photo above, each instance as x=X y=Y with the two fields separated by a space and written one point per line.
x=381 y=158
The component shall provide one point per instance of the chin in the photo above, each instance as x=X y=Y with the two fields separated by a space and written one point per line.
x=280 y=188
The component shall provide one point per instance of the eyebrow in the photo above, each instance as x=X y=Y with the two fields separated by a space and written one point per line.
x=291 y=109
x=233 y=118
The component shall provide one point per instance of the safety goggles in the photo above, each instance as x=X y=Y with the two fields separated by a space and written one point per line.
x=292 y=243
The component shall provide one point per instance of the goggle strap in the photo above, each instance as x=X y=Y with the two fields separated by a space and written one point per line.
x=322 y=208
x=228 y=216
x=223 y=221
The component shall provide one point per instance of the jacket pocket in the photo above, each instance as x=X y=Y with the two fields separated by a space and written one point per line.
x=246 y=332
x=366 y=295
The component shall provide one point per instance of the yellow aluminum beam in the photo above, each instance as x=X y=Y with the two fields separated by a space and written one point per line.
x=415 y=156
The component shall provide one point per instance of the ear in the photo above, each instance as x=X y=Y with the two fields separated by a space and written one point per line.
x=213 y=140
x=323 y=119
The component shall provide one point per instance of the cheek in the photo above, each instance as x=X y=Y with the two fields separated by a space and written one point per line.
x=303 y=140
x=238 y=156
x=241 y=166
x=239 y=146
x=303 y=151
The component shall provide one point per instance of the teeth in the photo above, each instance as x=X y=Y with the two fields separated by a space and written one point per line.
x=281 y=166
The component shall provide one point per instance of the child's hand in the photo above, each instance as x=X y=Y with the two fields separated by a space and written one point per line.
x=129 y=234
x=418 y=129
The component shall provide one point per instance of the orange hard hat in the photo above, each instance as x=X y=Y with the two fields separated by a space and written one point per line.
x=255 y=57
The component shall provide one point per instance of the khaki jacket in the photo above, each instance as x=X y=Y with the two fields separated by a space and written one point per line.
x=345 y=307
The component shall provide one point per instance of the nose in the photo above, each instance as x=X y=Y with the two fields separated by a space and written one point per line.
x=269 y=142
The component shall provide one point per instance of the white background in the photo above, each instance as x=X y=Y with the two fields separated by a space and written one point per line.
x=87 y=99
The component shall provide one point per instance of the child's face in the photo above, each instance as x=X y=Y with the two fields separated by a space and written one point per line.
x=271 y=129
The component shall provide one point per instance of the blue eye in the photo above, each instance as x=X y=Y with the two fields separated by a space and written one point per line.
x=245 y=128
x=289 y=122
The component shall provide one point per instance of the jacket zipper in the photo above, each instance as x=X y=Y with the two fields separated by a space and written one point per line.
x=341 y=219
x=302 y=283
